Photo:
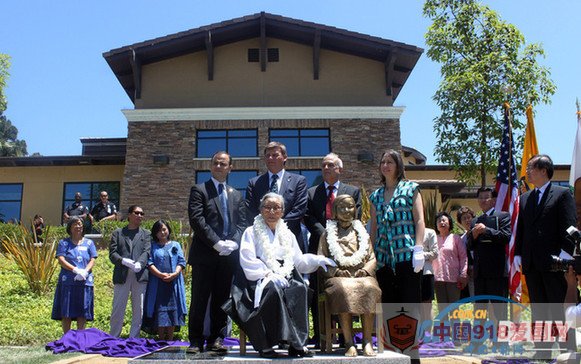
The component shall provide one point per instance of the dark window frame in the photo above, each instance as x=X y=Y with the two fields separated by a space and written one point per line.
x=253 y=55
x=88 y=200
x=226 y=138
x=299 y=137
x=20 y=201
x=318 y=179
x=242 y=189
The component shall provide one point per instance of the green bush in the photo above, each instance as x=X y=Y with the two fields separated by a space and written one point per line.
x=35 y=258
x=25 y=317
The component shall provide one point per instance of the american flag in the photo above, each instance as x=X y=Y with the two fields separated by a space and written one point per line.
x=508 y=199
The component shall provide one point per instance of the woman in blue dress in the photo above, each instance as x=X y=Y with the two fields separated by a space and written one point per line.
x=73 y=298
x=165 y=301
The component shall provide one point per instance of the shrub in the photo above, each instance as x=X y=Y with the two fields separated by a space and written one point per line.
x=35 y=258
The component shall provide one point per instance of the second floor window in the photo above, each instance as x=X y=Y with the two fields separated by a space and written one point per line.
x=303 y=142
x=237 y=142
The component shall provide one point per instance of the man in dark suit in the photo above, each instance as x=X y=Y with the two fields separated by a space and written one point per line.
x=213 y=210
x=490 y=234
x=545 y=213
x=319 y=208
x=292 y=187
x=129 y=251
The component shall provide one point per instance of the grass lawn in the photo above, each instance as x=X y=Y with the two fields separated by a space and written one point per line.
x=30 y=355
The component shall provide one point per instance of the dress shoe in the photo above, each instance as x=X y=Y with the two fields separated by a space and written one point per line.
x=217 y=346
x=268 y=354
x=300 y=353
x=194 y=349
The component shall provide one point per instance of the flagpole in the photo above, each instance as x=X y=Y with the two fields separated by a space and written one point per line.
x=509 y=118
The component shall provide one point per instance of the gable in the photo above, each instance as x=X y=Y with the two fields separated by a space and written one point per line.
x=182 y=81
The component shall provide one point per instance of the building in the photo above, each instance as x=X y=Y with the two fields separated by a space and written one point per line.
x=235 y=86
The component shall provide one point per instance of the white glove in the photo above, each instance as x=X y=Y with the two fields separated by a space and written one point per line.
x=565 y=255
x=229 y=247
x=136 y=267
x=517 y=261
x=324 y=262
x=222 y=247
x=418 y=259
x=278 y=280
x=129 y=263
x=81 y=274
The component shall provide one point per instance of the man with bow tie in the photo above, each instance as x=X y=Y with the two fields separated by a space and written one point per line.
x=488 y=238
x=214 y=213
x=292 y=187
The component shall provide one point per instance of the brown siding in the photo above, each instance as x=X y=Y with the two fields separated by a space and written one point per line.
x=182 y=82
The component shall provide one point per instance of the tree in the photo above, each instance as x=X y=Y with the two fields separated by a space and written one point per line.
x=4 y=65
x=484 y=62
x=10 y=146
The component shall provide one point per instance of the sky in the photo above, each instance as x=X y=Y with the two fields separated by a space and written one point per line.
x=61 y=89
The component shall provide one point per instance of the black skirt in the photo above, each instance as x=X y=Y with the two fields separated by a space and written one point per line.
x=282 y=315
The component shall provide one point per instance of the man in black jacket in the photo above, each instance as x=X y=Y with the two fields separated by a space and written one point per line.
x=490 y=234
x=213 y=210
x=545 y=213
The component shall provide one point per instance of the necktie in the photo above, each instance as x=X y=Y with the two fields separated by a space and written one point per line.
x=224 y=203
x=273 y=186
x=330 y=199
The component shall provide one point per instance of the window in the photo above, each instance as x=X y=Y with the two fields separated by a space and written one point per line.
x=10 y=202
x=303 y=142
x=272 y=54
x=313 y=176
x=237 y=142
x=561 y=183
x=236 y=179
x=253 y=55
x=90 y=192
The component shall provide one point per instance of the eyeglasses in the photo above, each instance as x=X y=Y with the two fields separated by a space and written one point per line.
x=139 y=213
x=272 y=208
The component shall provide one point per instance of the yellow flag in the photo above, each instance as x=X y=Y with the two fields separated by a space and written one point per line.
x=530 y=147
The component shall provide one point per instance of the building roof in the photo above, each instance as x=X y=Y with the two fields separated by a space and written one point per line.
x=399 y=56
x=416 y=154
x=96 y=151
x=75 y=160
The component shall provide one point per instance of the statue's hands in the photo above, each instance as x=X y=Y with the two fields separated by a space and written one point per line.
x=325 y=262
x=343 y=273
x=361 y=273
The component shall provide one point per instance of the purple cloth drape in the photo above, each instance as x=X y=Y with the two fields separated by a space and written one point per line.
x=95 y=341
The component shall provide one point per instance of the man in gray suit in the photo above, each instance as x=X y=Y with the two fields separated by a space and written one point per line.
x=129 y=251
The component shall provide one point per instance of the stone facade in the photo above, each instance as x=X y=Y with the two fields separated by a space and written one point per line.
x=163 y=189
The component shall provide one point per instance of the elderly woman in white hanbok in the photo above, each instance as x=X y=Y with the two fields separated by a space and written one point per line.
x=270 y=300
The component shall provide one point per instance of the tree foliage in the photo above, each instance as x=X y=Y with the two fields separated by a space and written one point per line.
x=484 y=62
x=10 y=146
x=4 y=65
